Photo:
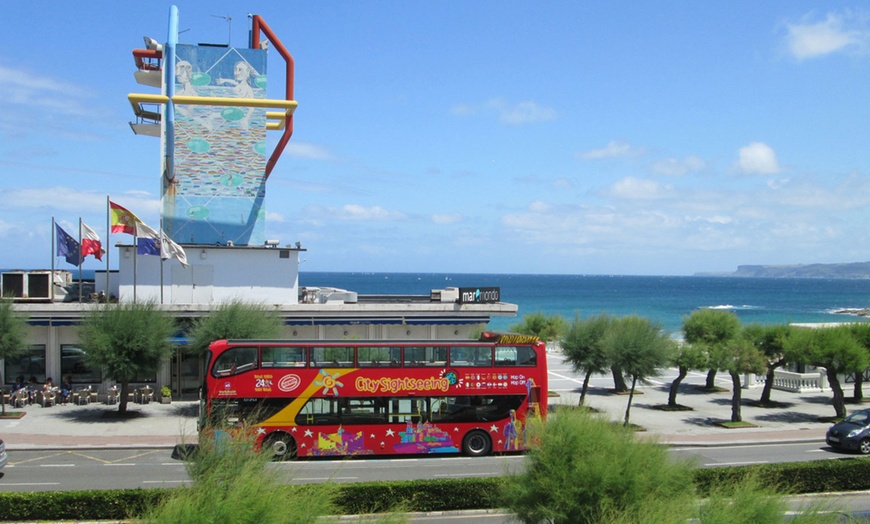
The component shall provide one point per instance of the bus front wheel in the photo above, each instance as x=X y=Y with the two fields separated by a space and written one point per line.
x=476 y=444
x=281 y=445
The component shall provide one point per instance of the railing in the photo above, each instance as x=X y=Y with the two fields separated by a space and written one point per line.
x=791 y=381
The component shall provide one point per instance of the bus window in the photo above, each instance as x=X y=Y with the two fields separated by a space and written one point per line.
x=284 y=357
x=319 y=411
x=470 y=356
x=515 y=356
x=234 y=361
x=402 y=410
x=363 y=411
x=332 y=357
x=379 y=357
x=421 y=356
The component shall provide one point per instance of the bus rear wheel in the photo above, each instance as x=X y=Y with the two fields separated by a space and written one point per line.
x=476 y=444
x=281 y=445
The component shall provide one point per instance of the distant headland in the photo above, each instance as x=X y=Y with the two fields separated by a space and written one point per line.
x=846 y=270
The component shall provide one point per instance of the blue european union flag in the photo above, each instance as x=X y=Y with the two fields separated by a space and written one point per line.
x=68 y=247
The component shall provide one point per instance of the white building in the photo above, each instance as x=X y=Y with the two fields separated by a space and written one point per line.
x=267 y=275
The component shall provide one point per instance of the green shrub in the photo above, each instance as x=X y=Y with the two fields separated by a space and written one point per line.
x=231 y=484
x=587 y=470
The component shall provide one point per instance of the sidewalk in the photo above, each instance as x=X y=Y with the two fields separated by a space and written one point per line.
x=97 y=426
x=798 y=417
x=165 y=425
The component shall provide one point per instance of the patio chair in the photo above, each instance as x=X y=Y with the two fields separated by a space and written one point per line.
x=49 y=398
x=20 y=398
x=112 y=395
x=83 y=396
x=146 y=395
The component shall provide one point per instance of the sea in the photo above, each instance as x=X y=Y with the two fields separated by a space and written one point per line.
x=666 y=300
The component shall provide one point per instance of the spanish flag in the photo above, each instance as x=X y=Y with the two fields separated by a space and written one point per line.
x=123 y=220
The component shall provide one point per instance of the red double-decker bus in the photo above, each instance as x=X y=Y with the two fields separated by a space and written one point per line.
x=378 y=397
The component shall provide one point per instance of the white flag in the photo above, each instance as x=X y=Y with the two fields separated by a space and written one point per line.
x=169 y=249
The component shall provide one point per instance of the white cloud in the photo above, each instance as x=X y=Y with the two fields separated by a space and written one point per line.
x=352 y=212
x=613 y=149
x=447 y=219
x=678 y=166
x=522 y=112
x=41 y=104
x=307 y=150
x=837 y=32
x=58 y=198
x=517 y=113
x=633 y=188
x=272 y=216
x=757 y=158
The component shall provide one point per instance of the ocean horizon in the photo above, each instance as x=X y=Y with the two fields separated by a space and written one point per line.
x=666 y=300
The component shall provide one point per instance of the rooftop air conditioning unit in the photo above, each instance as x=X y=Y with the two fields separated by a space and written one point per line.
x=32 y=285
x=451 y=294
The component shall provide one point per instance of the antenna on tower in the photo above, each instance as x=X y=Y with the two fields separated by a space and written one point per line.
x=229 y=20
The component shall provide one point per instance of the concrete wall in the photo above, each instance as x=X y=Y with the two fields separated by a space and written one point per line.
x=216 y=275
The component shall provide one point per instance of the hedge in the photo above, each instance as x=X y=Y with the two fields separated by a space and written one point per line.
x=849 y=474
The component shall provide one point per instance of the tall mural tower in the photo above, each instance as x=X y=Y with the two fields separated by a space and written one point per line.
x=212 y=116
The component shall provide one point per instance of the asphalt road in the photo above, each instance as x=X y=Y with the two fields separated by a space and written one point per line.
x=42 y=470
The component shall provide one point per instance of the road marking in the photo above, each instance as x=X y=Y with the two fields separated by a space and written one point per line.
x=121 y=464
x=31 y=483
x=296 y=479
x=466 y=475
x=164 y=481
x=566 y=378
x=57 y=465
x=738 y=463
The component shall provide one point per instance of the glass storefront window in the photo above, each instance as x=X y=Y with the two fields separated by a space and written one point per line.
x=31 y=363
x=73 y=364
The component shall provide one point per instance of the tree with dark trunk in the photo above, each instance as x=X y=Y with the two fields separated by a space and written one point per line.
x=686 y=357
x=861 y=332
x=638 y=347
x=740 y=356
x=581 y=345
x=771 y=341
x=710 y=328
x=127 y=341
x=832 y=348
x=13 y=326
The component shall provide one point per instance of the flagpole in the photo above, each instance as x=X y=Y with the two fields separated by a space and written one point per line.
x=81 y=258
x=160 y=223
x=108 y=243
x=51 y=282
x=135 y=259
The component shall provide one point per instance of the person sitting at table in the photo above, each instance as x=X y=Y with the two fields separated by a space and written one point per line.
x=19 y=383
x=32 y=389
x=65 y=389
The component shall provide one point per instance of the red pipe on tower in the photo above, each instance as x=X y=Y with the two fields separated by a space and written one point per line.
x=257 y=26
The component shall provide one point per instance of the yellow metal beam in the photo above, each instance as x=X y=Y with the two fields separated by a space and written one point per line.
x=289 y=106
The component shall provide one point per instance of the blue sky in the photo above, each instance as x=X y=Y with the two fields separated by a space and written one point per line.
x=665 y=138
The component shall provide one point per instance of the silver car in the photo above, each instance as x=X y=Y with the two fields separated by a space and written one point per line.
x=4 y=458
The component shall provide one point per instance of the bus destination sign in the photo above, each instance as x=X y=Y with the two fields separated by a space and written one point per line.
x=479 y=295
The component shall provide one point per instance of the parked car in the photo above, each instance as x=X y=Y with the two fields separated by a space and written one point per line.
x=851 y=433
x=4 y=458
